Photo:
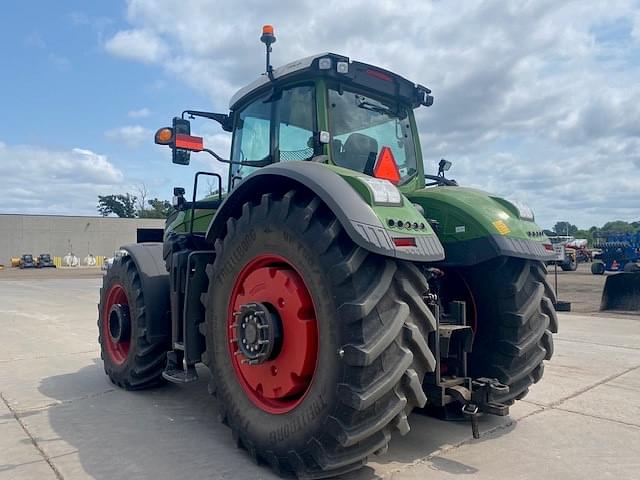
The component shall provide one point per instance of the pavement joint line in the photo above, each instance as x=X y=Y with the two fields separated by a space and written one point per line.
x=33 y=440
x=45 y=357
x=61 y=403
x=594 y=343
x=598 y=417
x=541 y=409
x=592 y=386
x=450 y=448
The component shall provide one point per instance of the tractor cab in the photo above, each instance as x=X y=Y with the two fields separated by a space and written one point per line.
x=330 y=109
x=324 y=108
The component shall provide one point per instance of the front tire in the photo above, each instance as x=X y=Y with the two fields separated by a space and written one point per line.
x=513 y=316
x=371 y=323
x=597 y=268
x=570 y=266
x=130 y=360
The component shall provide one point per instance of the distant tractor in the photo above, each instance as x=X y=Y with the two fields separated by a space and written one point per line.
x=45 y=261
x=581 y=250
x=27 y=261
x=315 y=288
x=565 y=256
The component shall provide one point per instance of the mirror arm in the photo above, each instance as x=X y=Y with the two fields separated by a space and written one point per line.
x=257 y=163
x=222 y=118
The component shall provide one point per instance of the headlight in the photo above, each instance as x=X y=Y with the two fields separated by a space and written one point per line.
x=383 y=191
x=525 y=212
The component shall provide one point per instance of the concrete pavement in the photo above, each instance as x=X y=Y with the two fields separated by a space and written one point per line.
x=61 y=418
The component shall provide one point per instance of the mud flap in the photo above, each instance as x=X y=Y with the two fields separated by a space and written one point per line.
x=621 y=292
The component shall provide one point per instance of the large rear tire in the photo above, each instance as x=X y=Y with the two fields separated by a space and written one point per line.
x=370 y=357
x=130 y=360
x=511 y=310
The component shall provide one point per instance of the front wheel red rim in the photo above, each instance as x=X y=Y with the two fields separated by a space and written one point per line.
x=278 y=382
x=118 y=350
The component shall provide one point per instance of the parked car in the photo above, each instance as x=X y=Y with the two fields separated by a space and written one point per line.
x=27 y=261
x=45 y=261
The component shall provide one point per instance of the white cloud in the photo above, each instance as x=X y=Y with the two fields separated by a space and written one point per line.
x=141 y=45
x=55 y=181
x=140 y=113
x=538 y=100
x=130 y=135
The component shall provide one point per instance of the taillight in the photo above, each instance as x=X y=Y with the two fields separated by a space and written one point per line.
x=404 y=242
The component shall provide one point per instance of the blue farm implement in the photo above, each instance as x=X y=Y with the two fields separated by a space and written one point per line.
x=620 y=252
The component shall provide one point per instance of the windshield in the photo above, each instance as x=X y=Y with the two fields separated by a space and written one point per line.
x=362 y=126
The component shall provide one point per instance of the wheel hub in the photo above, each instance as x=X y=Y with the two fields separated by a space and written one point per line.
x=116 y=324
x=272 y=333
x=258 y=332
x=119 y=323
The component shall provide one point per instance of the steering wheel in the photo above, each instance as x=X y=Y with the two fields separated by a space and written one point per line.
x=441 y=181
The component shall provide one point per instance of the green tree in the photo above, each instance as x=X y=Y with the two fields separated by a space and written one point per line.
x=120 y=205
x=159 y=209
x=586 y=234
x=618 y=226
x=565 y=228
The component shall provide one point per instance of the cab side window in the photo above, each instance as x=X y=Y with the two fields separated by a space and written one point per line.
x=295 y=123
x=252 y=132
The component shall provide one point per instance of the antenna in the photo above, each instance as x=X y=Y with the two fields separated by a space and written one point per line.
x=268 y=38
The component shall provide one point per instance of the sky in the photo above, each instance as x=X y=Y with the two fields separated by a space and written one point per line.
x=537 y=101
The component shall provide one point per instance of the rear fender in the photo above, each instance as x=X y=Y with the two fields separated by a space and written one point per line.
x=154 y=278
x=365 y=223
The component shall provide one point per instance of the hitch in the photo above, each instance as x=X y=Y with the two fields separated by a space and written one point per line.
x=452 y=394
x=480 y=399
x=484 y=392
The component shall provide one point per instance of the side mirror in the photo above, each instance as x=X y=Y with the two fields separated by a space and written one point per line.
x=443 y=166
x=180 y=140
x=181 y=156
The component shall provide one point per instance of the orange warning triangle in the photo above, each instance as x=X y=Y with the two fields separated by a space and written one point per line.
x=386 y=166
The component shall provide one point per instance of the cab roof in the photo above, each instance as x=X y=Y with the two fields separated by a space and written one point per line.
x=341 y=69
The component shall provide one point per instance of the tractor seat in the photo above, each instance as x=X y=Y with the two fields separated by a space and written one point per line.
x=359 y=153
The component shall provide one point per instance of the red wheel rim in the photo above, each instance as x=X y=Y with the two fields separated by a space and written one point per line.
x=280 y=383
x=117 y=351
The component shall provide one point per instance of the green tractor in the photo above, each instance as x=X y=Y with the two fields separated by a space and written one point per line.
x=331 y=287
